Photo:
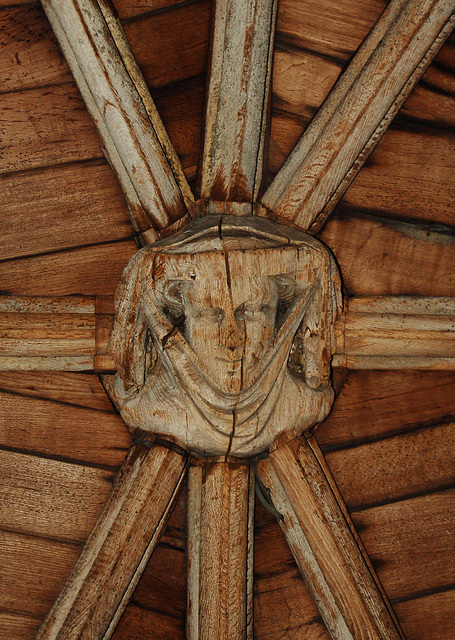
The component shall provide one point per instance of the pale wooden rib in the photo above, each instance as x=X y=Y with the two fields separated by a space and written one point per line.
x=220 y=552
x=119 y=546
x=323 y=546
x=133 y=134
x=239 y=90
x=358 y=111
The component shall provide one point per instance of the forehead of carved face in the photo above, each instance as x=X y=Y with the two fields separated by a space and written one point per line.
x=229 y=321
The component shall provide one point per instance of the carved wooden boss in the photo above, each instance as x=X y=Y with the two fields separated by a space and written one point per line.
x=224 y=326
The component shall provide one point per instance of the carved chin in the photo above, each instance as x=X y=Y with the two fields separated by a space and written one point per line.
x=165 y=409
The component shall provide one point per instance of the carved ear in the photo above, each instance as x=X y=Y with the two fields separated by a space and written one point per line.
x=128 y=344
x=318 y=327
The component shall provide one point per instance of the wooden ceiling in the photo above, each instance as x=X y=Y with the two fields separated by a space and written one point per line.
x=65 y=231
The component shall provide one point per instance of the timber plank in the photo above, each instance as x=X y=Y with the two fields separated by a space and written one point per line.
x=186 y=47
x=431 y=617
x=64 y=431
x=72 y=205
x=411 y=543
x=376 y=404
x=33 y=572
x=411 y=175
x=50 y=498
x=127 y=9
x=46 y=126
x=379 y=256
x=93 y=270
x=16 y=626
x=391 y=469
x=29 y=55
x=138 y=623
x=280 y=587
x=80 y=389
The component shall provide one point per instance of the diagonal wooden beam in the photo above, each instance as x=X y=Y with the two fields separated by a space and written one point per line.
x=220 y=551
x=72 y=333
x=238 y=99
x=119 y=546
x=324 y=547
x=359 y=110
x=118 y=100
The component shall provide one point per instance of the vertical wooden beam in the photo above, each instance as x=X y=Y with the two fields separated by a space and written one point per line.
x=359 y=110
x=119 y=546
x=220 y=552
x=238 y=98
x=117 y=98
x=324 y=547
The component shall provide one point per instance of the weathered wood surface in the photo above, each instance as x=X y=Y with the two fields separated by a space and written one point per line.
x=220 y=552
x=132 y=133
x=399 y=332
x=424 y=617
x=119 y=545
x=358 y=111
x=237 y=104
x=348 y=599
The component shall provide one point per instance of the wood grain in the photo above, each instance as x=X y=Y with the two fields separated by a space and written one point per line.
x=237 y=102
x=332 y=150
x=16 y=626
x=133 y=9
x=51 y=498
x=377 y=404
x=136 y=622
x=431 y=617
x=132 y=133
x=379 y=256
x=119 y=546
x=75 y=204
x=411 y=543
x=321 y=541
x=220 y=546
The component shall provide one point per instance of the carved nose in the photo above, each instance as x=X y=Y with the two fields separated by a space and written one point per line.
x=232 y=334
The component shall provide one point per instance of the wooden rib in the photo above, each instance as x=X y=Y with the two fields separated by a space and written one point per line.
x=118 y=101
x=323 y=546
x=119 y=547
x=359 y=109
x=237 y=105
x=72 y=333
x=220 y=548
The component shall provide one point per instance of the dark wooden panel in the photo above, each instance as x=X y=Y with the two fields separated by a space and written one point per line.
x=46 y=126
x=93 y=270
x=67 y=432
x=80 y=389
x=373 y=404
x=411 y=543
x=61 y=207
x=411 y=175
x=134 y=8
x=390 y=469
x=29 y=55
x=50 y=498
x=34 y=571
x=16 y=626
x=429 y=618
x=138 y=623
x=172 y=45
x=378 y=256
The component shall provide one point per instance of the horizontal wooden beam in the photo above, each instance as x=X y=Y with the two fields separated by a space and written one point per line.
x=118 y=100
x=220 y=552
x=119 y=546
x=359 y=110
x=72 y=333
x=238 y=99
x=324 y=547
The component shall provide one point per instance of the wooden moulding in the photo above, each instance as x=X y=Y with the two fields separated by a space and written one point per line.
x=358 y=110
x=119 y=546
x=220 y=552
x=238 y=98
x=72 y=333
x=116 y=97
x=324 y=547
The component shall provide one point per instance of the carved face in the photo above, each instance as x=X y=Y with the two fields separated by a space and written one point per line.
x=229 y=324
